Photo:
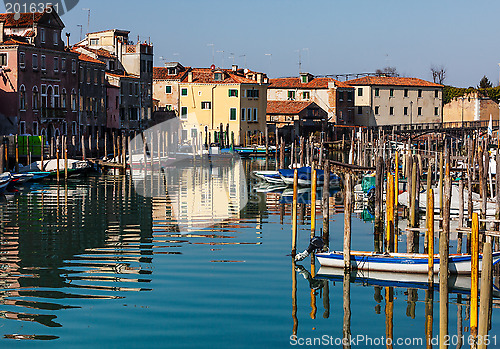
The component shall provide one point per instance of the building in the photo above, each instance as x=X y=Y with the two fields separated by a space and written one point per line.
x=471 y=107
x=38 y=76
x=92 y=96
x=129 y=66
x=206 y=98
x=166 y=84
x=112 y=107
x=294 y=118
x=333 y=96
x=383 y=100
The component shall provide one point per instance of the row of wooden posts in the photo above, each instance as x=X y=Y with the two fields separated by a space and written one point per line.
x=413 y=166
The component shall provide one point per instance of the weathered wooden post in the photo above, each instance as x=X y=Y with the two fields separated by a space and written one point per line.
x=325 y=203
x=83 y=148
x=57 y=159
x=474 y=275
x=441 y=175
x=390 y=213
x=65 y=144
x=347 y=221
x=444 y=251
x=460 y=213
x=379 y=178
x=486 y=290
x=294 y=213
x=396 y=200
x=313 y=203
x=17 y=155
x=430 y=234
x=282 y=154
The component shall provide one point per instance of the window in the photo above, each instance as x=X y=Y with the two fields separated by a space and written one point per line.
x=360 y=110
x=406 y=92
x=35 y=128
x=35 y=62
x=242 y=114
x=436 y=111
x=64 y=128
x=56 y=38
x=206 y=105
x=63 y=65
x=419 y=110
x=349 y=96
x=22 y=60
x=341 y=96
x=42 y=35
x=377 y=92
x=249 y=114
x=35 y=98
x=360 y=91
x=376 y=110
x=168 y=89
x=43 y=63
x=194 y=133
x=420 y=93
x=232 y=114
x=184 y=113
x=291 y=95
x=218 y=76
x=22 y=98
x=391 y=111
x=137 y=89
x=184 y=91
x=56 y=64
x=436 y=93
x=405 y=110
x=73 y=128
x=184 y=135
x=73 y=66
x=3 y=59
x=233 y=93
x=255 y=114
x=130 y=89
x=22 y=127
x=304 y=79
x=391 y=92
x=306 y=95
x=96 y=76
x=73 y=100
x=44 y=96
x=56 y=102
x=253 y=93
x=63 y=98
x=94 y=42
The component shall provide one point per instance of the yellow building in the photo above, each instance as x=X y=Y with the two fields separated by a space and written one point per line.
x=235 y=98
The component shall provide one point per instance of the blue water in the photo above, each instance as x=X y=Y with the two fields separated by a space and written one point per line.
x=95 y=264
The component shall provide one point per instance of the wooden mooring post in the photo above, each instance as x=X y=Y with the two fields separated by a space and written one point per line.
x=313 y=203
x=486 y=292
x=294 y=213
x=444 y=252
x=325 y=203
x=474 y=276
x=430 y=235
x=347 y=221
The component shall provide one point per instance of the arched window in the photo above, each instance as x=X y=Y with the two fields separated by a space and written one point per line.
x=36 y=97
x=22 y=97
x=63 y=98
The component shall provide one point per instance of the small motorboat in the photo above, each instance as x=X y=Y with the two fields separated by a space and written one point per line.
x=272 y=177
x=304 y=177
x=399 y=262
x=20 y=178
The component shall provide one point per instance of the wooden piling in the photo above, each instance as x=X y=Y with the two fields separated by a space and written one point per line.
x=474 y=275
x=83 y=148
x=17 y=155
x=294 y=213
x=444 y=251
x=313 y=203
x=282 y=154
x=430 y=234
x=65 y=159
x=2 y=152
x=57 y=168
x=486 y=291
x=390 y=213
x=460 y=213
x=379 y=178
x=441 y=175
x=347 y=221
x=396 y=200
x=325 y=203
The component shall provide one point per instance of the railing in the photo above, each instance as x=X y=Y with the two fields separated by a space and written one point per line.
x=53 y=114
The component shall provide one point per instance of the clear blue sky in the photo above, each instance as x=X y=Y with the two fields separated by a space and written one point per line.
x=334 y=36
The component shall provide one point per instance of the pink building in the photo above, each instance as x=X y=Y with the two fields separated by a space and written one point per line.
x=38 y=76
x=113 y=104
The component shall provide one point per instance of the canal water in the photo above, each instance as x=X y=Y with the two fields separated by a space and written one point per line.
x=174 y=260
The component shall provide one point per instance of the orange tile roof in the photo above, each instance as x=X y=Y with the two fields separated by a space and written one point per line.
x=286 y=107
x=315 y=83
x=86 y=58
x=392 y=81
x=161 y=73
x=206 y=76
x=99 y=51
x=25 y=19
x=123 y=75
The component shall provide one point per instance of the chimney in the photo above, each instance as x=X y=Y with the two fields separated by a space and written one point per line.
x=190 y=76
x=2 y=23
x=234 y=67
x=259 y=78
x=67 y=39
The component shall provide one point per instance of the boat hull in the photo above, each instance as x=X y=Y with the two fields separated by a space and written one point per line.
x=399 y=262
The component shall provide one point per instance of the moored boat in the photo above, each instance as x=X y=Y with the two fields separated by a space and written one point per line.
x=304 y=177
x=272 y=177
x=399 y=262
x=5 y=179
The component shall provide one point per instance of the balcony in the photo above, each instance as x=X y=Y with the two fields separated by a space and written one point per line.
x=49 y=114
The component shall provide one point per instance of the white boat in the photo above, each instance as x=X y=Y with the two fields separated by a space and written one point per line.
x=5 y=179
x=399 y=262
x=74 y=166
x=455 y=202
x=272 y=177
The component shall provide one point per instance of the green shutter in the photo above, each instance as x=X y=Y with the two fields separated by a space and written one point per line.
x=232 y=114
